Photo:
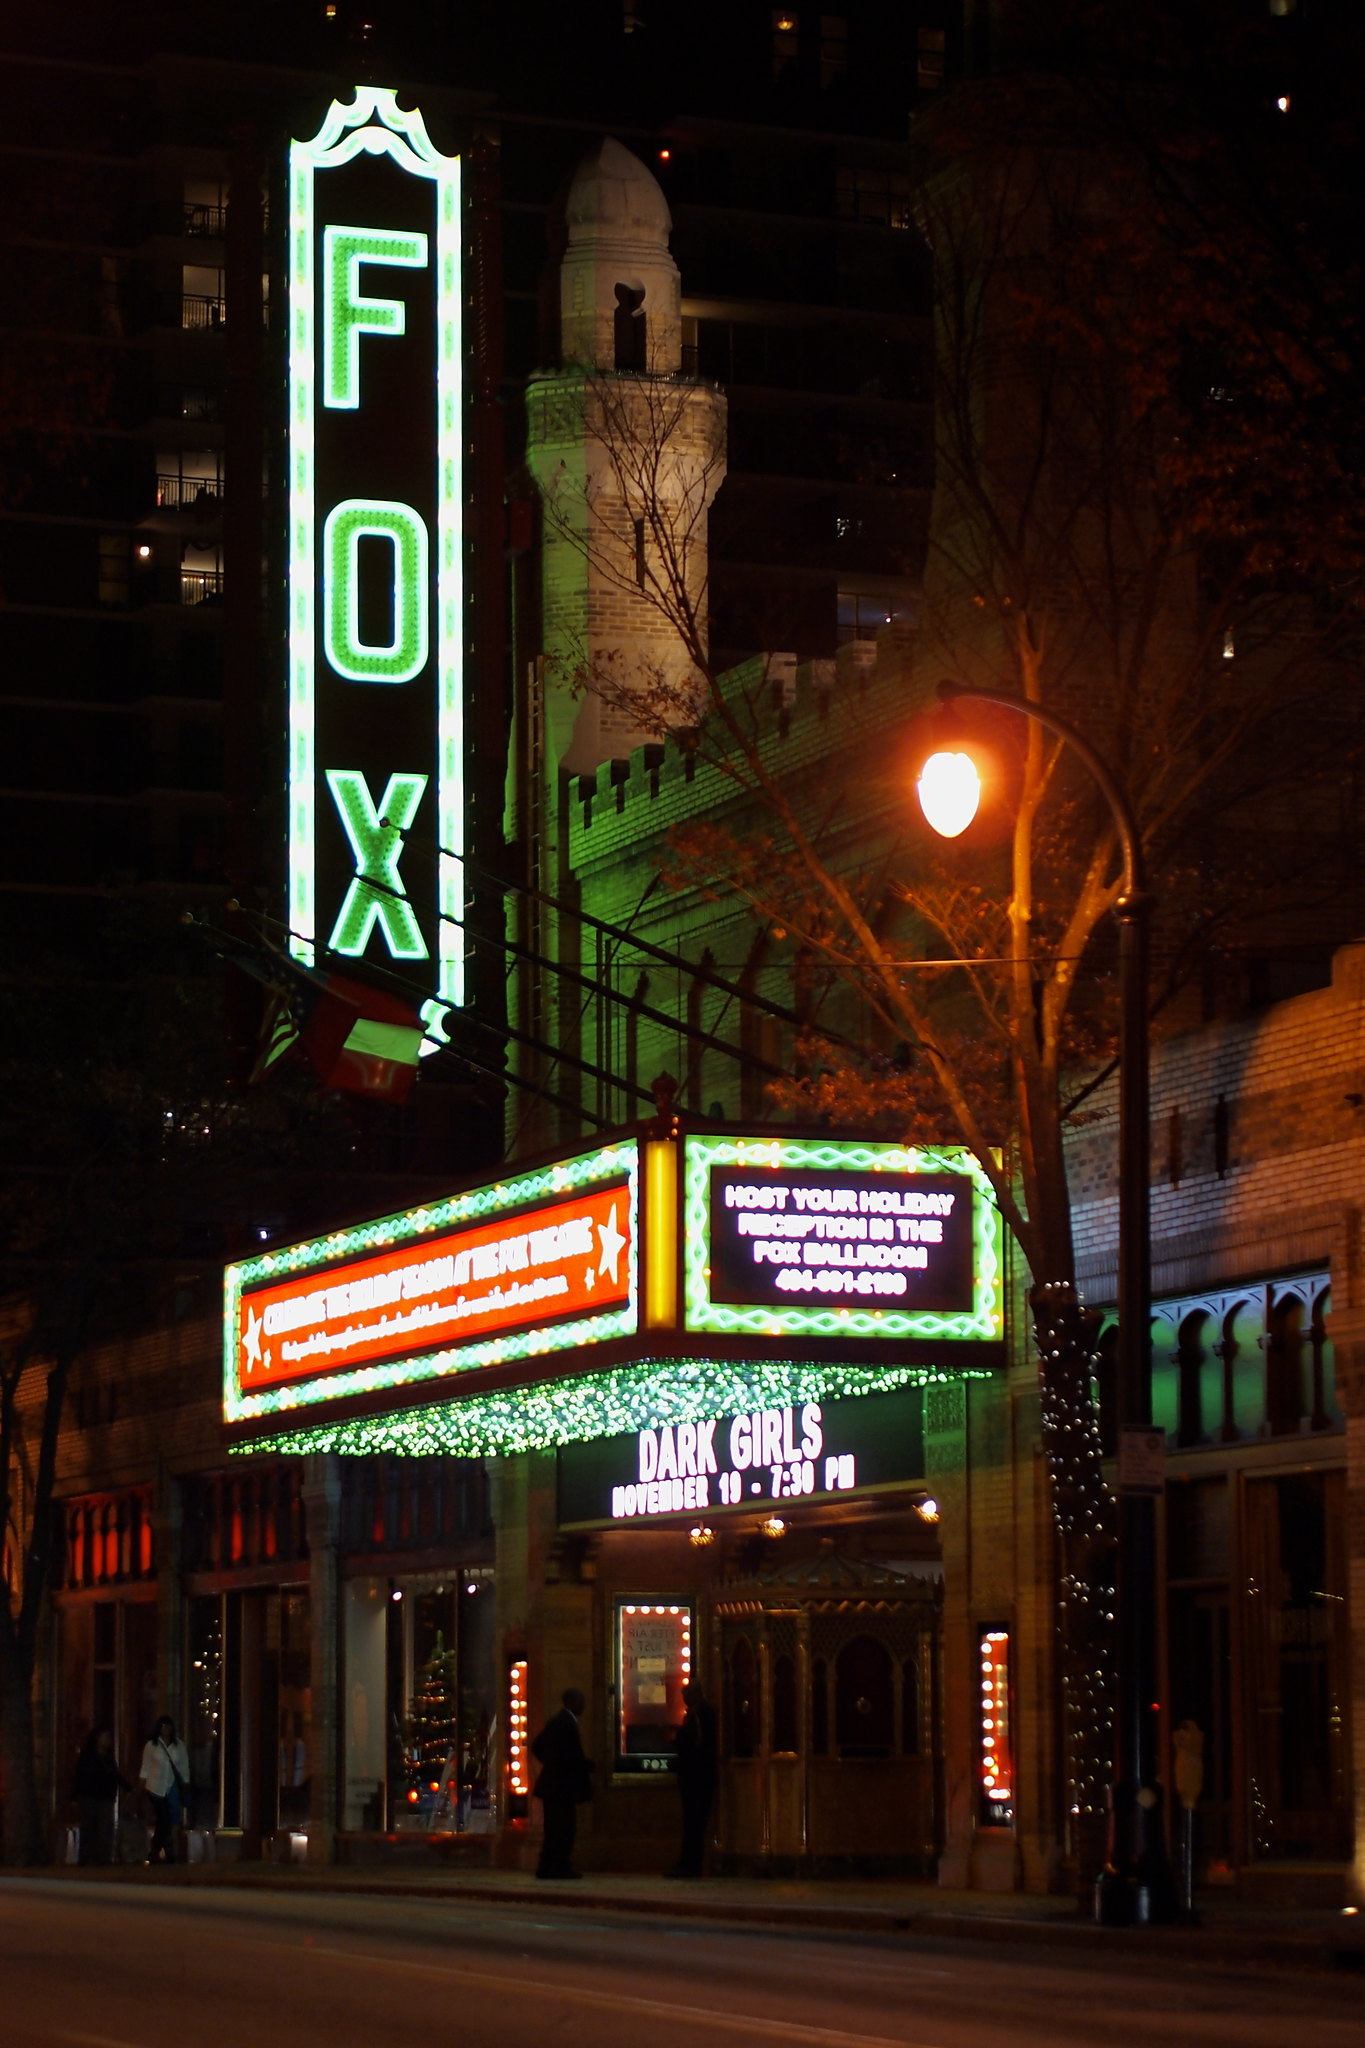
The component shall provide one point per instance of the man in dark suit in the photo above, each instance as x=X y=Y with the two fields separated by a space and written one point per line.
x=698 y=1771
x=564 y=1783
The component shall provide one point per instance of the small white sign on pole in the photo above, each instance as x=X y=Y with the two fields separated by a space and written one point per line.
x=1142 y=1460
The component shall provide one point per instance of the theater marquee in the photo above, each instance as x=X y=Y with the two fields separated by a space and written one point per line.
x=710 y=1292
x=815 y=1237
x=538 y=1262
x=814 y=1449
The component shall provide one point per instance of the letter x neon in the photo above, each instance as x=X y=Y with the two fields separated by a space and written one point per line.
x=376 y=895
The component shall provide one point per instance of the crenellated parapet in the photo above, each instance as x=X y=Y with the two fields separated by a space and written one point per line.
x=801 y=715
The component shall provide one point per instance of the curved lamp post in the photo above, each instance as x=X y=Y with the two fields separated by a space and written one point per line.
x=1136 y=1887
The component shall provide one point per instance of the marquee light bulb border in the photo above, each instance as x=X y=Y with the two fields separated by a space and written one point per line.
x=374 y=124
x=522 y=1191
x=985 y=1320
x=633 y=1397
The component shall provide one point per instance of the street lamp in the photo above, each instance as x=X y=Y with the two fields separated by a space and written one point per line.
x=1136 y=1887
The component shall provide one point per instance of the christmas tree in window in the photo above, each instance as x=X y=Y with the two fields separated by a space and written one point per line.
x=433 y=1728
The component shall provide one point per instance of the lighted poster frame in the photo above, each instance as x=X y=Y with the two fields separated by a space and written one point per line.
x=612 y=1162
x=374 y=124
x=984 y=1320
x=632 y=1617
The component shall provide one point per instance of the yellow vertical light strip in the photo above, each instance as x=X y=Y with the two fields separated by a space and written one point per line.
x=661 y=1234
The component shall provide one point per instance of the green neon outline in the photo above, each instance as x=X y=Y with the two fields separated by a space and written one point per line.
x=374 y=124
x=375 y=894
x=342 y=329
x=564 y=1177
x=346 y=525
x=700 y=1154
x=556 y=1412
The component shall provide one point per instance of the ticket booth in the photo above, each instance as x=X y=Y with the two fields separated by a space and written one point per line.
x=828 y=1671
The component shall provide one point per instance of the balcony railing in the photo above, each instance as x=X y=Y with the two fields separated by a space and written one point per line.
x=199 y=492
x=198 y=311
x=204 y=220
x=201 y=586
x=237 y=1523
x=106 y=1539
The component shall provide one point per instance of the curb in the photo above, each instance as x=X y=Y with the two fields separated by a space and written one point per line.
x=1326 y=1947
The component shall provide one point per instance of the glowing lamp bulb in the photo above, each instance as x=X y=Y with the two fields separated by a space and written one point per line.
x=949 y=792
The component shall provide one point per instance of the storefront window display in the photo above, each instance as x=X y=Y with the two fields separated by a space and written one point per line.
x=419 y=1701
x=259 y=1640
x=653 y=1663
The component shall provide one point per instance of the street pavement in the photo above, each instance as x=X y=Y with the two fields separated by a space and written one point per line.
x=110 y=1964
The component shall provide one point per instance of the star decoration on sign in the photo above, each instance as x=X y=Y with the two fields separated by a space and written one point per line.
x=251 y=1339
x=613 y=1244
x=589 y=1278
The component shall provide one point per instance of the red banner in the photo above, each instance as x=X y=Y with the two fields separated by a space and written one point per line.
x=573 y=1256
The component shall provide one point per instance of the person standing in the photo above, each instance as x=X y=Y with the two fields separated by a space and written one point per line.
x=698 y=1773
x=562 y=1786
x=97 y=1784
x=165 y=1776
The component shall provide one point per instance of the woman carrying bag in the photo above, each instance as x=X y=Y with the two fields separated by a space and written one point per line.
x=165 y=1776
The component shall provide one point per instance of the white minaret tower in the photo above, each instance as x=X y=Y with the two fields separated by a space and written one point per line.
x=627 y=456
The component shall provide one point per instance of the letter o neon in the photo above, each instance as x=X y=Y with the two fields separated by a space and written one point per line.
x=405 y=656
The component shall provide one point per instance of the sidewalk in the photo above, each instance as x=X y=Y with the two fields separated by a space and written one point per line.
x=1230 y=1932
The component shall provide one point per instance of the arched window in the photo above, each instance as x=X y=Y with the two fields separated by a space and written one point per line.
x=1243 y=1370
x=1286 y=1355
x=1198 y=1418
x=1165 y=1375
x=1326 y=1410
x=629 y=328
x=864 y=1713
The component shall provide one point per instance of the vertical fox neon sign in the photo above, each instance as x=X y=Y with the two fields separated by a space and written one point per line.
x=376 y=580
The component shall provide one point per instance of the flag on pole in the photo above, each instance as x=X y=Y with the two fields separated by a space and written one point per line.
x=361 y=1040
x=357 y=1039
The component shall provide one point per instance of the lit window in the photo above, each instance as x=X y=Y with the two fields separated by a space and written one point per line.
x=204 y=202
x=786 y=40
x=202 y=301
x=868 y=192
x=861 y=615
